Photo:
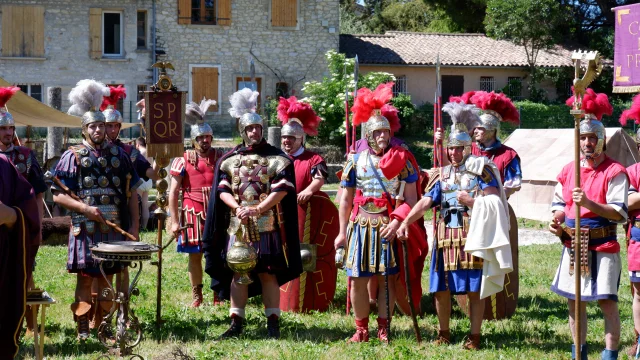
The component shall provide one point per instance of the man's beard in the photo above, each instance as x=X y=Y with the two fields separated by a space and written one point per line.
x=8 y=143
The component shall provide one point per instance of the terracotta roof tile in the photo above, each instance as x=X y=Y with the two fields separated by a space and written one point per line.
x=396 y=47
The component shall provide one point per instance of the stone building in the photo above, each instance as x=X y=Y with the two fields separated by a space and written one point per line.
x=209 y=42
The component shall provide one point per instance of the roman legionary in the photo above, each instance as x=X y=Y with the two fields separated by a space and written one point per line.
x=462 y=240
x=27 y=164
x=317 y=215
x=193 y=174
x=602 y=196
x=19 y=223
x=252 y=221
x=102 y=176
x=374 y=183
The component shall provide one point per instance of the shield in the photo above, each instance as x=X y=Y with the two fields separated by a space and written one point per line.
x=318 y=226
x=503 y=304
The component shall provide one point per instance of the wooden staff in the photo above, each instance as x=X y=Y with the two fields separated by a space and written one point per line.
x=111 y=224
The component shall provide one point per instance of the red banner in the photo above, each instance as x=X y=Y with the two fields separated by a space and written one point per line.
x=626 y=57
x=164 y=119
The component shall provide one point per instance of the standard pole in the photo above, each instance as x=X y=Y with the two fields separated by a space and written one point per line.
x=577 y=255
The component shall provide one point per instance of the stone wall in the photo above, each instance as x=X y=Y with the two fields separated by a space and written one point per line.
x=66 y=42
x=292 y=56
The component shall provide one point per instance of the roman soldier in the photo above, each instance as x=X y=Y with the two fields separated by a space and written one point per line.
x=633 y=230
x=102 y=176
x=252 y=225
x=375 y=182
x=19 y=223
x=193 y=174
x=317 y=215
x=602 y=196
x=24 y=159
x=463 y=241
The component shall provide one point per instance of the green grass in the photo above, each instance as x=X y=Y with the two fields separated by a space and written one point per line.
x=538 y=330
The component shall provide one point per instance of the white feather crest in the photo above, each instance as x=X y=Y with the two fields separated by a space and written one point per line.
x=243 y=101
x=85 y=95
x=195 y=113
x=467 y=114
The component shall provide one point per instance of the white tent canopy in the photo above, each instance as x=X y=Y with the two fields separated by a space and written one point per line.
x=543 y=153
x=27 y=111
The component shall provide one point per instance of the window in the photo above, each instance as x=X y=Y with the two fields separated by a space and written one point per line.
x=205 y=84
x=112 y=36
x=140 y=92
x=35 y=91
x=256 y=85
x=284 y=13
x=282 y=89
x=22 y=31
x=400 y=86
x=487 y=83
x=203 y=12
x=514 y=86
x=142 y=29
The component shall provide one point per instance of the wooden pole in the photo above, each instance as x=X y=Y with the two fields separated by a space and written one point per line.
x=577 y=268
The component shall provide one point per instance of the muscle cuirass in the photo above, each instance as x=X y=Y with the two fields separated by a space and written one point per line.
x=100 y=184
x=368 y=183
x=452 y=212
x=251 y=176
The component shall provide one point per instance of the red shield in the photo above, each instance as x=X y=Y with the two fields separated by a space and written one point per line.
x=314 y=290
x=503 y=304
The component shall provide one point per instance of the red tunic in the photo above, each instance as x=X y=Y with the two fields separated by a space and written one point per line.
x=502 y=156
x=197 y=179
x=633 y=249
x=303 y=164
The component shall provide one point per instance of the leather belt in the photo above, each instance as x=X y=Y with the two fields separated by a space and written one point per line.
x=599 y=233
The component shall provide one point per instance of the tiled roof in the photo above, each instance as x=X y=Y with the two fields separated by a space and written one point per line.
x=408 y=48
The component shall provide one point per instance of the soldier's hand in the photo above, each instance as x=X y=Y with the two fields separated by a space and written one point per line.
x=439 y=134
x=8 y=215
x=389 y=231
x=579 y=197
x=403 y=232
x=555 y=227
x=304 y=196
x=464 y=198
x=243 y=212
x=135 y=232
x=174 y=228
x=339 y=241
x=94 y=214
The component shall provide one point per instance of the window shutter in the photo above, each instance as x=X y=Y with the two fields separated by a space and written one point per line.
x=33 y=31
x=95 y=33
x=204 y=84
x=8 y=33
x=224 y=12
x=284 y=13
x=184 y=12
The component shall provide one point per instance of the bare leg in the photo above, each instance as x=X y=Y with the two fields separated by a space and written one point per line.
x=583 y=320
x=195 y=269
x=270 y=290
x=83 y=288
x=372 y=288
x=443 y=308
x=636 y=307
x=239 y=294
x=360 y=297
x=611 y=323
x=382 y=301
x=476 y=309
x=145 y=210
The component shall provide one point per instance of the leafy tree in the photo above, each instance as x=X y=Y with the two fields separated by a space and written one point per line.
x=407 y=16
x=351 y=24
x=327 y=96
x=467 y=16
x=529 y=23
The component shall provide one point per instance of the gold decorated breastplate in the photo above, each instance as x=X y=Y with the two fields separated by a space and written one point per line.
x=367 y=182
x=251 y=177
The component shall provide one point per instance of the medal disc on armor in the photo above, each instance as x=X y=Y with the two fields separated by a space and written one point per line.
x=104 y=199
x=116 y=181
x=264 y=178
x=249 y=197
x=88 y=182
x=236 y=163
x=102 y=161
x=264 y=161
x=115 y=162
x=103 y=181
x=86 y=162
x=116 y=200
x=162 y=173
x=236 y=180
x=263 y=197
x=89 y=200
x=21 y=167
x=84 y=151
x=114 y=150
x=20 y=157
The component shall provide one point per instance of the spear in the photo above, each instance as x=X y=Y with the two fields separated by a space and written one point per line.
x=437 y=123
x=356 y=74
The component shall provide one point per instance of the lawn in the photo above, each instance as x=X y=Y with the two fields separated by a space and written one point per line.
x=538 y=330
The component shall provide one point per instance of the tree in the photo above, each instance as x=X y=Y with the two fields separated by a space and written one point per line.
x=407 y=16
x=467 y=18
x=529 y=23
x=327 y=96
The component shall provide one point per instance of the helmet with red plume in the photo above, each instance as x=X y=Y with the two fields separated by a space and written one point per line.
x=6 y=119
x=372 y=109
x=496 y=107
x=632 y=113
x=298 y=118
x=594 y=106
x=111 y=115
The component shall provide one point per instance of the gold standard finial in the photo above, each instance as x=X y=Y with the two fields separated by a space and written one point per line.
x=164 y=81
x=593 y=69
